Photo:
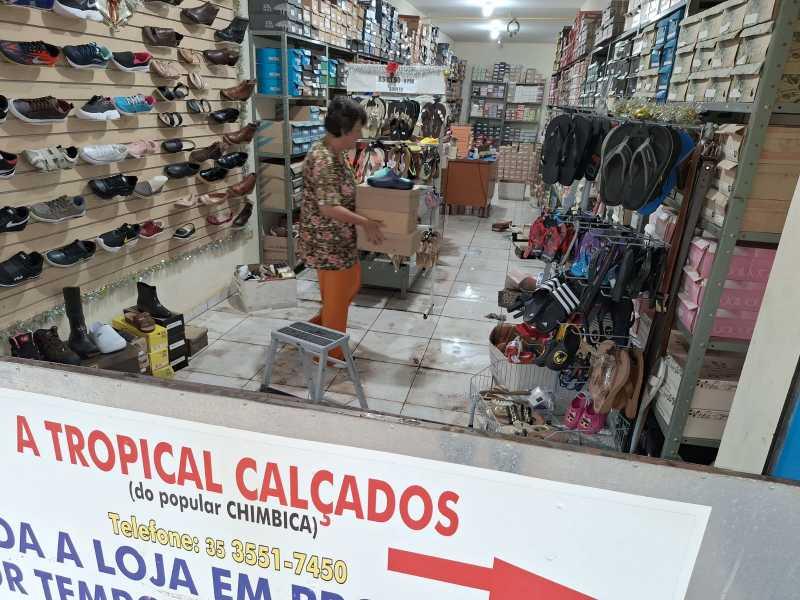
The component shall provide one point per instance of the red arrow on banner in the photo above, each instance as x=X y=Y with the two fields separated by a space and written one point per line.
x=503 y=581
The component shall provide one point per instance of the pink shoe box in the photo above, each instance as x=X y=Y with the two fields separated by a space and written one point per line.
x=729 y=324
x=736 y=295
x=747 y=264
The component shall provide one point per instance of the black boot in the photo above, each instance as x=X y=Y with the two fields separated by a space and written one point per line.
x=79 y=339
x=147 y=301
x=234 y=32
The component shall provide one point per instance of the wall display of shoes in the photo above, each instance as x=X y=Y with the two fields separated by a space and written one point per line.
x=118 y=148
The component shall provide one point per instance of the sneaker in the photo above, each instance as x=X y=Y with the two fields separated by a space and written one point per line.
x=13 y=219
x=240 y=222
x=60 y=209
x=116 y=239
x=131 y=105
x=99 y=108
x=151 y=229
x=23 y=346
x=116 y=185
x=148 y=189
x=104 y=154
x=8 y=164
x=87 y=56
x=40 y=54
x=41 y=111
x=80 y=9
x=52 y=158
x=20 y=268
x=53 y=348
x=71 y=254
x=131 y=61
x=3 y=109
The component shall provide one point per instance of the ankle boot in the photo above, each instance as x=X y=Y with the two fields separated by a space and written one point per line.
x=243 y=136
x=79 y=339
x=234 y=32
x=148 y=302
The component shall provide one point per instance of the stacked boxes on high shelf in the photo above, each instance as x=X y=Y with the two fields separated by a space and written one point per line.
x=269 y=137
x=484 y=129
x=419 y=45
x=522 y=112
x=398 y=210
x=516 y=135
x=656 y=47
x=272 y=188
x=612 y=22
x=455 y=83
x=304 y=72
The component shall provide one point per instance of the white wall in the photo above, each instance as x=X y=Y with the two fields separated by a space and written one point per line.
x=535 y=56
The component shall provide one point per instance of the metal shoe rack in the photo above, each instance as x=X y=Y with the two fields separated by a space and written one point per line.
x=757 y=116
x=284 y=41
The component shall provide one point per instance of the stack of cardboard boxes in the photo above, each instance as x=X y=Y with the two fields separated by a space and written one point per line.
x=398 y=210
x=305 y=71
x=514 y=163
x=272 y=188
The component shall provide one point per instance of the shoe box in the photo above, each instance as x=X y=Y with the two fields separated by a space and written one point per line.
x=158 y=343
x=302 y=134
x=196 y=339
x=131 y=359
x=156 y=339
x=177 y=351
x=271 y=184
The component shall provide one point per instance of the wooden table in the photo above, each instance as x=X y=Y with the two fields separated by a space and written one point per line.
x=469 y=184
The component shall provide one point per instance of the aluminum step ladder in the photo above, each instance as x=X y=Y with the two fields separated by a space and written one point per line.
x=313 y=341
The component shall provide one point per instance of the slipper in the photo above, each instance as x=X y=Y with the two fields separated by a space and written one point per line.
x=575 y=411
x=573 y=152
x=649 y=166
x=184 y=231
x=561 y=304
x=626 y=272
x=170 y=119
x=501 y=225
x=627 y=399
x=621 y=314
x=563 y=349
x=220 y=218
x=555 y=138
x=616 y=157
x=590 y=170
x=538 y=300
x=687 y=146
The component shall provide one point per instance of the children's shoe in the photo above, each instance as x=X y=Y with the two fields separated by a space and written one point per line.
x=591 y=421
x=576 y=409
x=131 y=105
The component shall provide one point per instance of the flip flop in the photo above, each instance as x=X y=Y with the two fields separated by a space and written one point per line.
x=627 y=399
x=615 y=160
x=650 y=165
x=621 y=314
x=538 y=300
x=626 y=271
x=575 y=166
x=562 y=303
x=554 y=139
x=687 y=146
x=600 y=130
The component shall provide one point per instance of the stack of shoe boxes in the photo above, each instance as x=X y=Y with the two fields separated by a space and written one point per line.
x=516 y=135
x=272 y=185
x=268 y=71
x=656 y=47
x=483 y=129
x=619 y=68
x=561 y=44
x=613 y=20
x=398 y=210
x=587 y=24
x=277 y=15
x=177 y=348
x=514 y=162
x=157 y=346
x=269 y=137
x=304 y=72
x=595 y=77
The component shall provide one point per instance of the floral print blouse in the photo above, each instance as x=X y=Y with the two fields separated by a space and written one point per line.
x=329 y=181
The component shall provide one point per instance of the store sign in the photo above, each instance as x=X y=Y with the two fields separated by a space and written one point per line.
x=108 y=504
x=406 y=79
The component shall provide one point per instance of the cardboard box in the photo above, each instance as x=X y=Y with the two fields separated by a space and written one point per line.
x=393 y=244
x=404 y=201
x=180 y=362
x=393 y=222
x=125 y=361
x=158 y=360
x=196 y=339
x=156 y=340
x=165 y=373
x=260 y=295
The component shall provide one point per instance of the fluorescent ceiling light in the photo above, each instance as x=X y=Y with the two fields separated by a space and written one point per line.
x=494 y=34
x=488 y=8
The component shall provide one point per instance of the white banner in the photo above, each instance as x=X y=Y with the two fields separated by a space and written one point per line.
x=408 y=80
x=109 y=504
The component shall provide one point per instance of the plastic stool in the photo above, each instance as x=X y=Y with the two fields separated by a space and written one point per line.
x=313 y=341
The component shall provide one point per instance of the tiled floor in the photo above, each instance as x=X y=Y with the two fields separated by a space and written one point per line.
x=408 y=365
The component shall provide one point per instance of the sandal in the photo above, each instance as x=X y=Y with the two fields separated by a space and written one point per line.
x=178 y=145
x=610 y=371
x=184 y=231
x=198 y=106
x=501 y=225
x=196 y=82
x=141 y=320
x=170 y=119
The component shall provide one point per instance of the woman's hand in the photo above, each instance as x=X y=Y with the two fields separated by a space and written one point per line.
x=373 y=230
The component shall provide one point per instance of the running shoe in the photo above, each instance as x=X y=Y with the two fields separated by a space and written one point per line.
x=99 y=108
x=87 y=56
x=39 y=54
x=131 y=105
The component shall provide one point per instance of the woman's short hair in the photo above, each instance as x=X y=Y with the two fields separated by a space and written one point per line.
x=343 y=115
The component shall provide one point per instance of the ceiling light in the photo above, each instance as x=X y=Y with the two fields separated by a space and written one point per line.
x=494 y=34
x=488 y=8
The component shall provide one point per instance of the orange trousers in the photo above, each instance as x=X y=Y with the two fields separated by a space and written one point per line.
x=337 y=288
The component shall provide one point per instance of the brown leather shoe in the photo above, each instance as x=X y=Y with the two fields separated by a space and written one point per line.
x=244 y=187
x=222 y=57
x=41 y=110
x=203 y=15
x=212 y=152
x=243 y=136
x=161 y=36
x=190 y=57
x=242 y=91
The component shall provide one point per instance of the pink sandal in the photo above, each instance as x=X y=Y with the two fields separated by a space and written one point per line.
x=576 y=410
x=591 y=420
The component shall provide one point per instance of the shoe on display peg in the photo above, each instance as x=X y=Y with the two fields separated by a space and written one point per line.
x=161 y=36
x=79 y=340
x=212 y=152
x=53 y=347
x=3 y=109
x=36 y=54
x=87 y=56
x=241 y=91
x=52 y=158
x=151 y=187
x=222 y=56
x=8 y=164
x=116 y=239
x=41 y=111
x=59 y=209
x=151 y=229
x=103 y=154
x=116 y=185
x=225 y=115
x=232 y=160
x=98 y=108
x=20 y=268
x=201 y=15
x=147 y=300
x=71 y=254
x=391 y=181
x=234 y=32
x=240 y=222
x=13 y=218
x=244 y=136
x=131 y=61
x=180 y=170
x=214 y=174
x=78 y=9
x=184 y=232
x=243 y=188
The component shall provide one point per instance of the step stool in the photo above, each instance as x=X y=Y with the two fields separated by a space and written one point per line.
x=313 y=341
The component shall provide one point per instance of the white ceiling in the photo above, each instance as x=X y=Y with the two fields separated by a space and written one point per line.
x=463 y=22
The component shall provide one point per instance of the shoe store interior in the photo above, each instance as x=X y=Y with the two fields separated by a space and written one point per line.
x=566 y=222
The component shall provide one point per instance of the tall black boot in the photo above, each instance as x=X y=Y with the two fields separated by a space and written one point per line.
x=147 y=301
x=234 y=32
x=79 y=339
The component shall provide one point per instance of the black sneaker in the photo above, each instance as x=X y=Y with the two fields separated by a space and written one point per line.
x=131 y=61
x=116 y=239
x=71 y=254
x=20 y=268
x=3 y=108
x=53 y=348
x=80 y=9
x=87 y=56
x=14 y=219
x=99 y=108
x=116 y=185
x=23 y=346
x=8 y=164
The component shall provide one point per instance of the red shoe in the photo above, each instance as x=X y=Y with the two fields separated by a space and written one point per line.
x=151 y=229
x=575 y=412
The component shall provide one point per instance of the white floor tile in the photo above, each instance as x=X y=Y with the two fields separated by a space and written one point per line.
x=392 y=348
x=483 y=277
x=423 y=286
x=255 y=330
x=360 y=317
x=436 y=415
x=417 y=303
x=461 y=330
x=372 y=298
x=288 y=370
x=209 y=379
x=474 y=291
x=456 y=356
x=380 y=380
x=309 y=274
x=476 y=263
x=500 y=243
x=486 y=253
x=308 y=290
x=405 y=323
x=218 y=323
x=469 y=309
x=230 y=359
x=440 y=389
x=232 y=305
x=304 y=311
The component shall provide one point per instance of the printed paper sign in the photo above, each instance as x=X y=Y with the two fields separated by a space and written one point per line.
x=407 y=80
x=107 y=504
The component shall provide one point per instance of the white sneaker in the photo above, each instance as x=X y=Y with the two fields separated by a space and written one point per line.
x=104 y=154
x=106 y=339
